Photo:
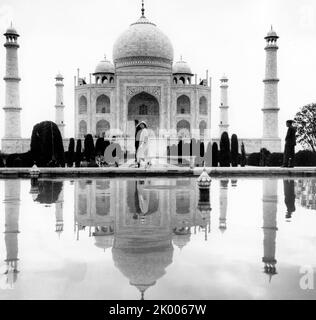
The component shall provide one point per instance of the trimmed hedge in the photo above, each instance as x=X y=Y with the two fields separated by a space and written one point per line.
x=302 y=159
x=305 y=159
x=254 y=159
x=275 y=159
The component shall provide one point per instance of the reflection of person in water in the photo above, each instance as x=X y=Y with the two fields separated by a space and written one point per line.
x=143 y=197
x=289 y=197
x=145 y=200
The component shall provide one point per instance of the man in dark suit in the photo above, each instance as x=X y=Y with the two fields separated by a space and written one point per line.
x=290 y=143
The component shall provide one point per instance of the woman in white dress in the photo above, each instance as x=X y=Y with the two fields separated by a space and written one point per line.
x=142 y=152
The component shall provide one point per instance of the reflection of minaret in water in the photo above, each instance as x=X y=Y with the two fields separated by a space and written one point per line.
x=223 y=194
x=12 y=211
x=270 y=200
x=59 y=213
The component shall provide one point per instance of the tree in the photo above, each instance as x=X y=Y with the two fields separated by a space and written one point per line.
x=100 y=147
x=305 y=121
x=78 y=154
x=71 y=153
x=89 y=152
x=224 y=158
x=243 y=159
x=47 y=145
x=234 y=150
x=214 y=155
x=264 y=157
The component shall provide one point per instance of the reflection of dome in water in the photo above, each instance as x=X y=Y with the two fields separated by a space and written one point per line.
x=143 y=266
x=181 y=240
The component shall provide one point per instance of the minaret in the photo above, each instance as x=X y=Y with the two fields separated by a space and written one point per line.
x=269 y=203
x=59 y=118
x=223 y=121
x=270 y=109
x=12 y=212
x=12 y=107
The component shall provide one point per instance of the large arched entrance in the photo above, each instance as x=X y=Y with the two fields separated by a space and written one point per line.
x=143 y=107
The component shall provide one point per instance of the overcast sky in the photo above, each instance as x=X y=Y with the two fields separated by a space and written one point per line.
x=223 y=36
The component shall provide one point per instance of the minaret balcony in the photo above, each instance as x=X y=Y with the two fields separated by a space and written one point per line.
x=11 y=78
x=11 y=45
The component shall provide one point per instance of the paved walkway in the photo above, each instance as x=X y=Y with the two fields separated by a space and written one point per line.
x=162 y=170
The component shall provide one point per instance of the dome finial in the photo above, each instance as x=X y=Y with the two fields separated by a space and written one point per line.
x=143 y=9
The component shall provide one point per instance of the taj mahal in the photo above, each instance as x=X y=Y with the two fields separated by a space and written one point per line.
x=143 y=83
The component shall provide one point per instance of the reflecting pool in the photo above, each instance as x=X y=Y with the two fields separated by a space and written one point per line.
x=157 y=238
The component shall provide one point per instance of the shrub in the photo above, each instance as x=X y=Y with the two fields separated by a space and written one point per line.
x=305 y=159
x=254 y=159
x=234 y=150
x=215 y=155
x=89 y=151
x=78 y=154
x=243 y=159
x=275 y=159
x=264 y=157
x=100 y=147
x=202 y=149
x=224 y=158
x=19 y=160
x=1 y=162
x=71 y=153
x=47 y=145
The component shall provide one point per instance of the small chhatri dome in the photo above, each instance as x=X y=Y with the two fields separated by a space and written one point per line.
x=143 y=44
x=271 y=34
x=11 y=31
x=104 y=66
x=181 y=67
x=59 y=76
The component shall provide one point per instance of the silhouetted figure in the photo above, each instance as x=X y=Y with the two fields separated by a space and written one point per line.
x=290 y=143
x=289 y=197
x=137 y=134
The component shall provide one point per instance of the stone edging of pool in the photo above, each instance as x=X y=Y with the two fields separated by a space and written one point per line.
x=159 y=171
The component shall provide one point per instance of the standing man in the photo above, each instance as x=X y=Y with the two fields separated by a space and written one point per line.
x=290 y=143
x=137 y=135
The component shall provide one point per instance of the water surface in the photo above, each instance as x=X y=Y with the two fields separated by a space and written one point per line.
x=156 y=239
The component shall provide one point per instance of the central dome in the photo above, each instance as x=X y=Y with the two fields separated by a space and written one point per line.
x=143 y=44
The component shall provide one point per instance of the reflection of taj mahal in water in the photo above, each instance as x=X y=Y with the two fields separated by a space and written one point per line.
x=143 y=229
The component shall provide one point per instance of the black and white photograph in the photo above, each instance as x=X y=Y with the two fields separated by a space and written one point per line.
x=157 y=150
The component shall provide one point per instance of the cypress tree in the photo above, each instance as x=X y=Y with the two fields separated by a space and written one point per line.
x=234 y=150
x=243 y=159
x=89 y=151
x=214 y=155
x=78 y=154
x=224 y=158
x=71 y=153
